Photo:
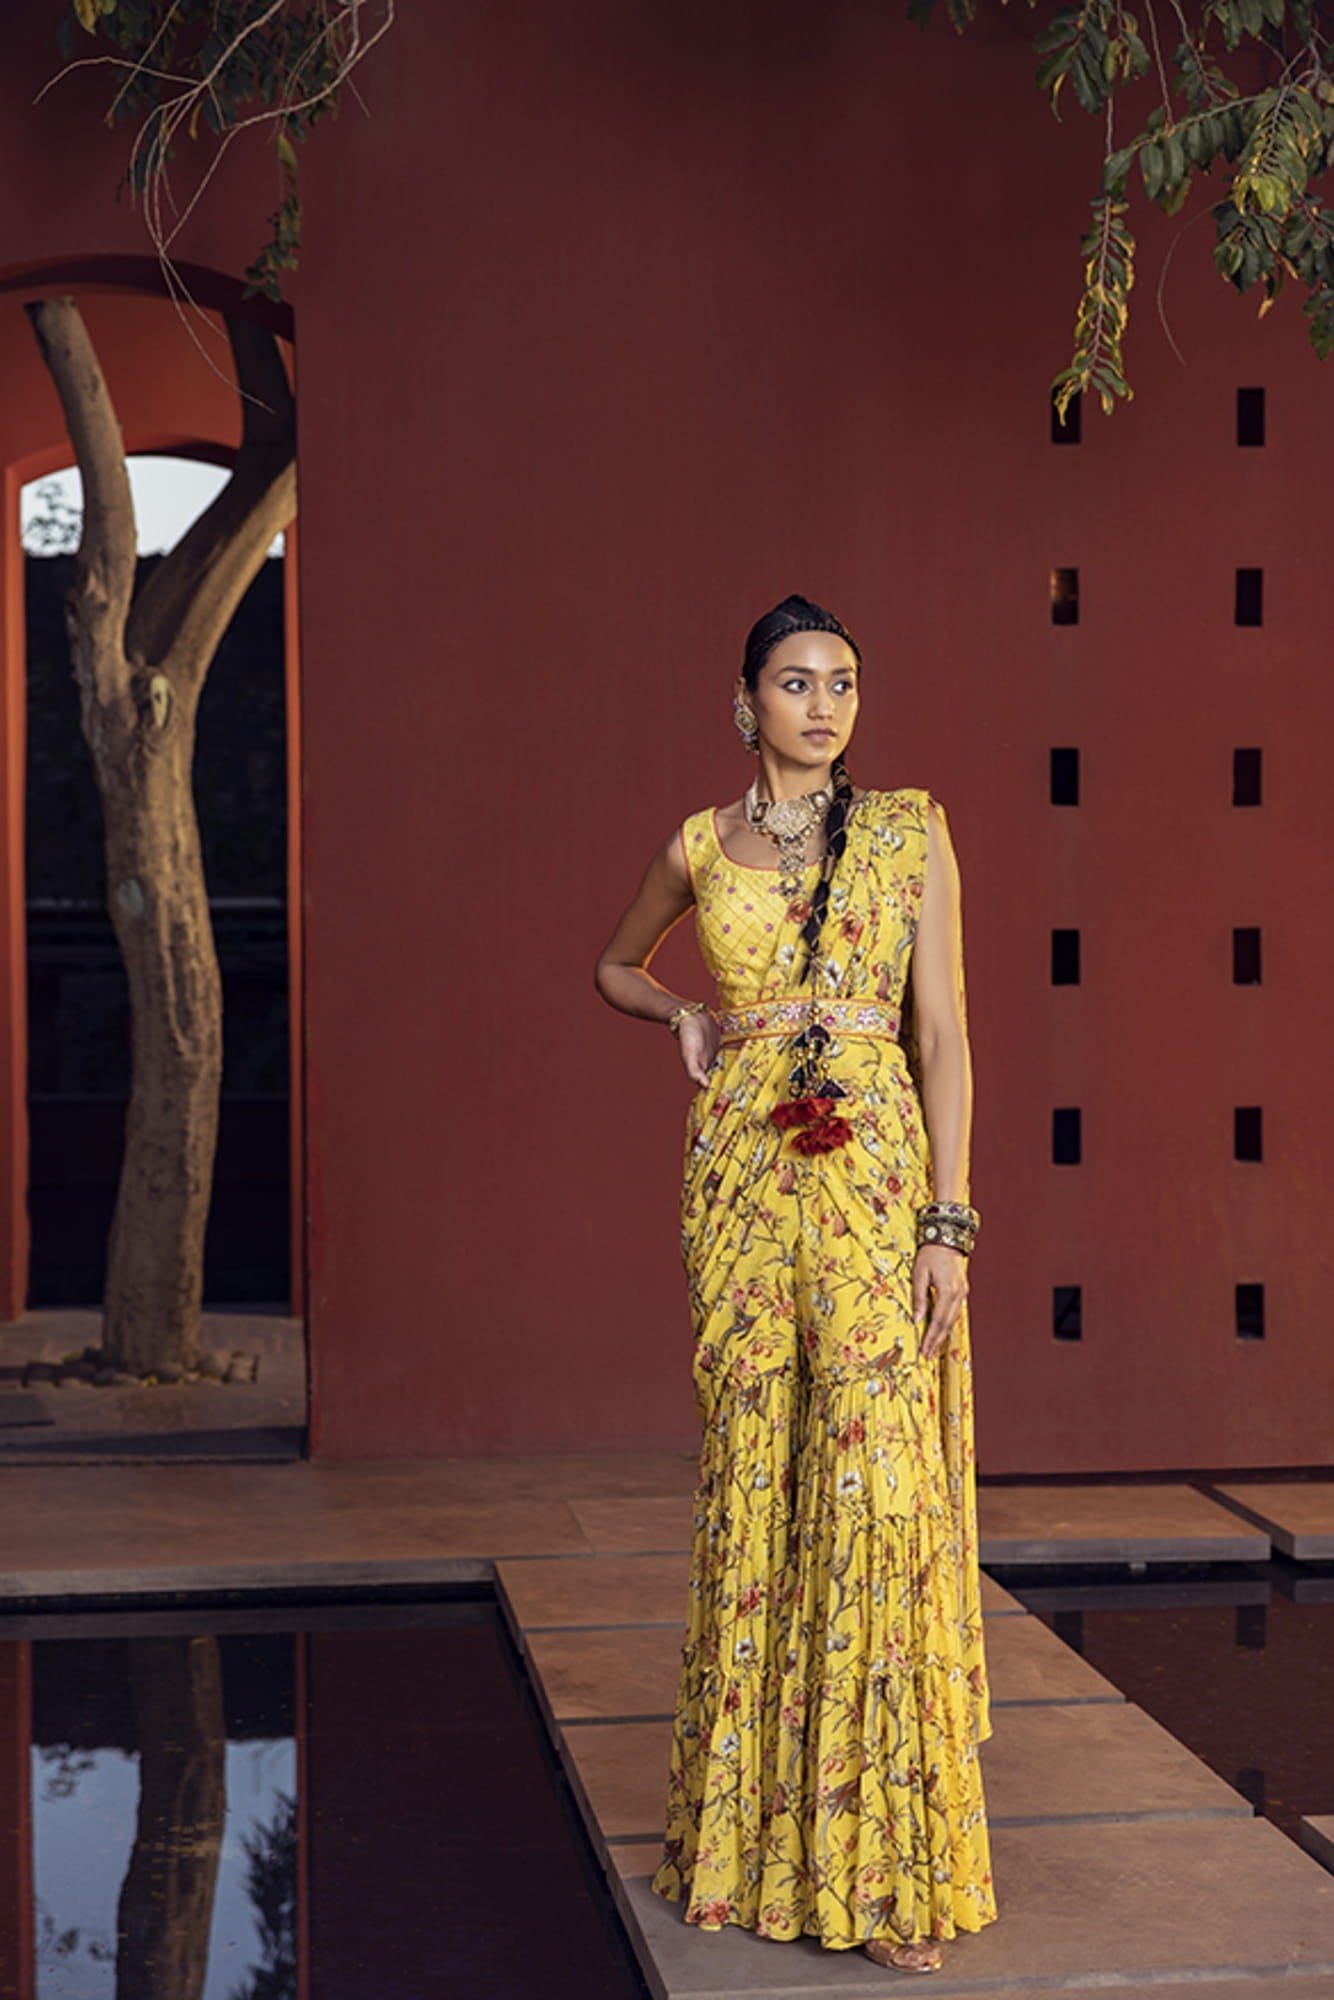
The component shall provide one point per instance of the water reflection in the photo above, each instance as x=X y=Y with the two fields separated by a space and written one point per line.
x=1237 y=1664
x=164 y=1813
x=166 y=1899
x=275 y=1801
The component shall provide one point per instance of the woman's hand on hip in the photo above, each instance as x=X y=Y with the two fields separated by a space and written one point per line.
x=699 y=1037
x=945 y=1273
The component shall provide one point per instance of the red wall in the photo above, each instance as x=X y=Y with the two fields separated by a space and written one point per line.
x=613 y=329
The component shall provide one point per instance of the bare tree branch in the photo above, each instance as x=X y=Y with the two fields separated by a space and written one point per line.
x=107 y=559
x=186 y=605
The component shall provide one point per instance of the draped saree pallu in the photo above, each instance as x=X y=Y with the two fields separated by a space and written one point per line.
x=824 y=1773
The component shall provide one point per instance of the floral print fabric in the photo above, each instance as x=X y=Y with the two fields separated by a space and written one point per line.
x=824 y=1774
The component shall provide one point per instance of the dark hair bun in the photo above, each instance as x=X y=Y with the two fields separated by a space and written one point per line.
x=794 y=614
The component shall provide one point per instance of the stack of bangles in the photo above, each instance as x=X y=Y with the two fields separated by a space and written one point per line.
x=952 y=1223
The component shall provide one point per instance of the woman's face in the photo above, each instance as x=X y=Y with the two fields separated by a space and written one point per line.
x=805 y=700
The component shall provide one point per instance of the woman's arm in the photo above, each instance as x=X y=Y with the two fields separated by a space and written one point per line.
x=947 y=1076
x=938 y=1010
x=621 y=975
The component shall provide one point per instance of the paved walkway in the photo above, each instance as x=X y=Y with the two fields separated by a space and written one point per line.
x=1121 y=1861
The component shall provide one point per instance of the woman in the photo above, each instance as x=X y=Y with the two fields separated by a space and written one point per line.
x=824 y=1771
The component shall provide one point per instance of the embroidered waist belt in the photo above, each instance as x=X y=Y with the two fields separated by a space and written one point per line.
x=787 y=1016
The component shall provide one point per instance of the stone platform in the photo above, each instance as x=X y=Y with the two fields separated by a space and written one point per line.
x=1297 y=1515
x=1122 y=1863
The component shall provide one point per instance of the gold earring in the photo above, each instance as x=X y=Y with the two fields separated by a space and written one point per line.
x=744 y=717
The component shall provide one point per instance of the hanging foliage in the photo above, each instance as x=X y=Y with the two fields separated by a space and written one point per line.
x=225 y=64
x=1264 y=146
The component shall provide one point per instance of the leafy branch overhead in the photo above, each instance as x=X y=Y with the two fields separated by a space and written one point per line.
x=228 y=64
x=1265 y=145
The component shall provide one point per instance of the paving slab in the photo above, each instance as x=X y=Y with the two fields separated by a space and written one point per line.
x=606 y=1675
x=1297 y=1515
x=1027 y=1663
x=655 y=1522
x=139 y=1548
x=997 y=1602
x=573 y=1592
x=28 y=1589
x=1090 y=1761
x=1080 y=1524
x=1318 y=1838
x=637 y=1861
x=600 y=1674
x=1096 y=1760
x=1117 y=1906
x=569 y=1476
x=101 y=1527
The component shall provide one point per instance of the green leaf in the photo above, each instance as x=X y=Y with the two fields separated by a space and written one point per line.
x=1052 y=71
x=1091 y=94
x=1116 y=167
x=1059 y=31
x=1151 y=168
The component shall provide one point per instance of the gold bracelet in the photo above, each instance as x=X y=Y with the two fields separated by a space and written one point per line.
x=675 y=1019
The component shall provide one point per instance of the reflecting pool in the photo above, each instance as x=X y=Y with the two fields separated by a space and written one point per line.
x=1236 y=1661
x=262 y=1802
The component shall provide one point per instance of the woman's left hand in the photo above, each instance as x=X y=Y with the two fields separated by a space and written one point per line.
x=945 y=1273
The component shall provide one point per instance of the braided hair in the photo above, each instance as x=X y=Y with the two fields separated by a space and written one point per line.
x=798 y=614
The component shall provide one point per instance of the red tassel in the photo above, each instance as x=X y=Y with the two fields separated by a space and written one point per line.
x=822 y=1135
x=801 y=1110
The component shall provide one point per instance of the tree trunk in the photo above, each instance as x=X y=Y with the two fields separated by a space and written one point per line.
x=165 y=1911
x=140 y=664
x=159 y=907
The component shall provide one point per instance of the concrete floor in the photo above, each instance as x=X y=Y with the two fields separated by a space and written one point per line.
x=1121 y=1861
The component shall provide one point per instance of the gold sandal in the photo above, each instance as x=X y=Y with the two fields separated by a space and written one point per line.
x=883 y=1951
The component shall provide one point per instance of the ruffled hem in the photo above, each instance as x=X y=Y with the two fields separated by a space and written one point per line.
x=825 y=1778
x=668 y=1885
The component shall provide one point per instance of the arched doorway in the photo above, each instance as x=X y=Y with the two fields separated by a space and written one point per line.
x=59 y=1151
